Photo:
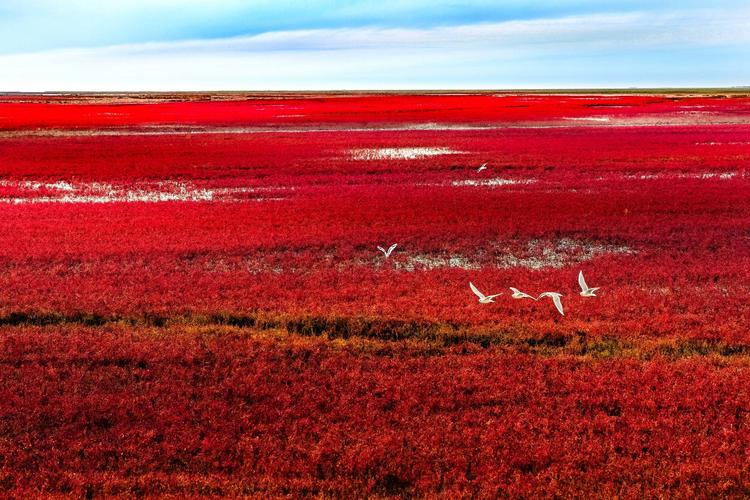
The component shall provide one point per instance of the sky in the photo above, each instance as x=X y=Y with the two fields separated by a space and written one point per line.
x=192 y=45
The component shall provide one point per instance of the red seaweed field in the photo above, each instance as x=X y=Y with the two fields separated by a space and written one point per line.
x=193 y=302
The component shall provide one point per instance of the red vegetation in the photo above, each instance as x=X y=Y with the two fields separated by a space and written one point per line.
x=191 y=299
x=337 y=109
x=122 y=411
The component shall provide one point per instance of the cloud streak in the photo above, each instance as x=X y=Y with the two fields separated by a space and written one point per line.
x=47 y=24
x=693 y=47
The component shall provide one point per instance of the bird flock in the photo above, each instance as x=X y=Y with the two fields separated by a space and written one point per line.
x=586 y=290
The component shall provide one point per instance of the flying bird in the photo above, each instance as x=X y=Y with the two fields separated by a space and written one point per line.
x=555 y=298
x=585 y=290
x=483 y=299
x=388 y=252
x=483 y=166
x=518 y=294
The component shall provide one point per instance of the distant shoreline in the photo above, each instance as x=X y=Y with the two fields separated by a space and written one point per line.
x=304 y=92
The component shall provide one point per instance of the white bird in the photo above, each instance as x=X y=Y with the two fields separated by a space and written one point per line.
x=555 y=298
x=483 y=299
x=483 y=166
x=388 y=252
x=585 y=290
x=518 y=294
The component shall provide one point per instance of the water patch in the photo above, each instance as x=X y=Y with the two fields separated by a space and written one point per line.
x=684 y=175
x=34 y=192
x=428 y=262
x=587 y=119
x=732 y=143
x=412 y=153
x=497 y=181
x=541 y=254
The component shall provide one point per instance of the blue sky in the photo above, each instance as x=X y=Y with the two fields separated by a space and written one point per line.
x=389 y=44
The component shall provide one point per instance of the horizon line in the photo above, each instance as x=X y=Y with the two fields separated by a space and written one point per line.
x=463 y=90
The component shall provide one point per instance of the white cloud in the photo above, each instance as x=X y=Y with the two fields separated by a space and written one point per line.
x=541 y=52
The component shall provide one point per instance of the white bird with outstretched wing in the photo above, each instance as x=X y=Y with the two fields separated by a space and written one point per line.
x=586 y=291
x=390 y=250
x=518 y=294
x=483 y=299
x=556 y=298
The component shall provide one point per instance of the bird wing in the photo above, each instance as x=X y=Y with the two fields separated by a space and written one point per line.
x=392 y=248
x=521 y=294
x=582 y=281
x=382 y=250
x=558 y=303
x=476 y=291
x=493 y=296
